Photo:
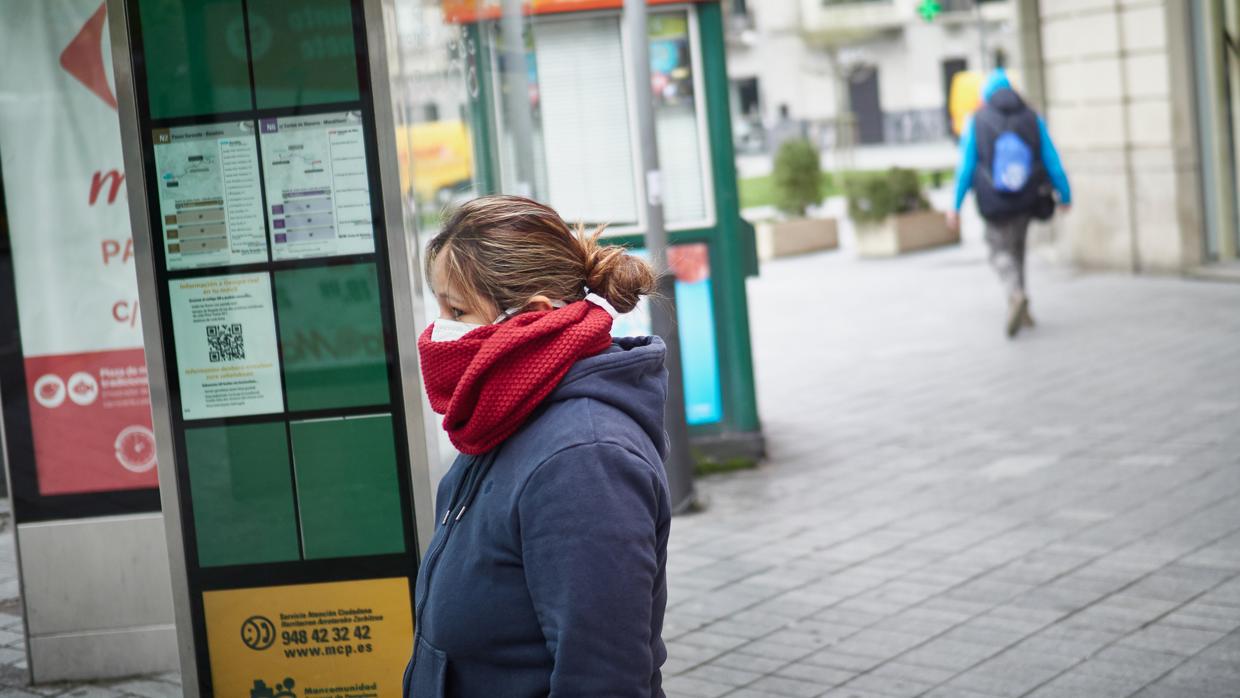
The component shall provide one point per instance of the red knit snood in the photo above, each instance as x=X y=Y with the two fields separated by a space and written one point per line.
x=488 y=382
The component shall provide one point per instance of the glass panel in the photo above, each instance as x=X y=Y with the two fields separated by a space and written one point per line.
x=242 y=492
x=331 y=331
x=585 y=120
x=346 y=487
x=303 y=52
x=199 y=58
x=676 y=118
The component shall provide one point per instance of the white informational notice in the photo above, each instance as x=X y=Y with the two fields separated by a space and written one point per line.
x=225 y=334
x=210 y=202
x=318 y=188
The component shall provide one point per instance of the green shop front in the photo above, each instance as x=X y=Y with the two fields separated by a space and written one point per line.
x=546 y=96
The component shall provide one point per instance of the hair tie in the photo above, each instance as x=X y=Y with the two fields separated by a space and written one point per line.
x=602 y=303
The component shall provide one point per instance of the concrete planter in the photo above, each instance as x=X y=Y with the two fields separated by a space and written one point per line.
x=788 y=238
x=905 y=233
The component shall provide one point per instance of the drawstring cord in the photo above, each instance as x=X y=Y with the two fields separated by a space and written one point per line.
x=465 y=494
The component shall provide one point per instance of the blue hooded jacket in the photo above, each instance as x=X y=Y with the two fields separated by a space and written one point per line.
x=998 y=80
x=546 y=575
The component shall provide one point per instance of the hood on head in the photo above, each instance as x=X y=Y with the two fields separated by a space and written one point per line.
x=999 y=93
x=630 y=377
x=997 y=80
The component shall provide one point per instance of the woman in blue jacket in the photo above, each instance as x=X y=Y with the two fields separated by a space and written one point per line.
x=547 y=571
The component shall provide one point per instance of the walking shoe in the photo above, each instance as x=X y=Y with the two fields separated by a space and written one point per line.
x=1027 y=321
x=1018 y=306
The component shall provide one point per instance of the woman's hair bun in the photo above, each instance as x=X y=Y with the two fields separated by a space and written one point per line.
x=616 y=275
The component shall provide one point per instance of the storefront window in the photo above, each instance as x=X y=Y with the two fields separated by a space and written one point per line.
x=536 y=100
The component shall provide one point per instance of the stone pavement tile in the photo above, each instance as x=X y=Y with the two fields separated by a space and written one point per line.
x=1017 y=619
x=88 y=691
x=763 y=647
x=1121 y=662
x=1075 y=684
x=1201 y=680
x=1054 y=597
x=985 y=634
x=877 y=643
x=750 y=629
x=1162 y=690
x=683 y=686
x=747 y=662
x=805 y=638
x=894 y=686
x=1178 y=583
x=954 y=692
x=1007 y=678
x=728 y=676
x=711 y=640
x=1204 y=616
x=1226 y=594
x=149 y=689
x=1226 y=650
x=1171 y=639
x=831 y=657
x=949 y=654
x=782 y=686
x=848 y=617
x=816 y=674
x=691 y=654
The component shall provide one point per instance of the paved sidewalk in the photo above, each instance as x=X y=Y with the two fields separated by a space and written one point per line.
x=949 y=514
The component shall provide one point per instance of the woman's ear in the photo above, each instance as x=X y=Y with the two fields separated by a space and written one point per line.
x=538 y=303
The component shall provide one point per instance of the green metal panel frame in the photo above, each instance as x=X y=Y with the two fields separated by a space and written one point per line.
x=733 y=252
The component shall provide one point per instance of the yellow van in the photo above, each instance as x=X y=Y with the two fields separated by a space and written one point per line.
x=436 y=158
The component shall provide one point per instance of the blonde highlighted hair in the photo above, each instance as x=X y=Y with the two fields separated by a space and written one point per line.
x=506 y=250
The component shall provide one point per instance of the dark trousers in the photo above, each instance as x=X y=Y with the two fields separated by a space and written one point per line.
x=1006 y=241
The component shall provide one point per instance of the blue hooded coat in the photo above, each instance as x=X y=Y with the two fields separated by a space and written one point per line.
x=998 y=93
x=546 y=575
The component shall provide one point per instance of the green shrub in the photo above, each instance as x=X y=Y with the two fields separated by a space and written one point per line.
x=872 y=196
x=798 y=177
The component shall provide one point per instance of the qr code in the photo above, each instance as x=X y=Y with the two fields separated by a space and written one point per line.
x=225 y=342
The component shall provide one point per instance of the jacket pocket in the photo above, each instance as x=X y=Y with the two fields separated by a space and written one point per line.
x=427 y=676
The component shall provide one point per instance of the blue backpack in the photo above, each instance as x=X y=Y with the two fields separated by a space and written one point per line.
x=1013 y=163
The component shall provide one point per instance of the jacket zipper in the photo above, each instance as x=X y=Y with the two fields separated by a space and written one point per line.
x=432 y=556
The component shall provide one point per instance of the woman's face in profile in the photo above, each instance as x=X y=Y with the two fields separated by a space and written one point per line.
x=454 y=303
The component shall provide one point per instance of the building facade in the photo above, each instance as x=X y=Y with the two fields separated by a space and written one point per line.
x=785 y=55
x=1141 y=96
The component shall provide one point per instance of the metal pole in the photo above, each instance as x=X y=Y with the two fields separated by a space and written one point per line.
x=663 y=308
x=981 y=37
x=517 y=96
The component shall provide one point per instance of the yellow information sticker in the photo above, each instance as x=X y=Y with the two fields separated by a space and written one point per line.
x=329 y=640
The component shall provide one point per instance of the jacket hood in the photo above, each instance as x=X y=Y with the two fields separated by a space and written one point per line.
x=997 y=80
x=629 y=376
x=999 y=93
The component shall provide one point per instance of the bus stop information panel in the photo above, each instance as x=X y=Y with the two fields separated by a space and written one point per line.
x=257 y=131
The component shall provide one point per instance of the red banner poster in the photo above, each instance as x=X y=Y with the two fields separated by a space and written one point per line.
x=60 y=154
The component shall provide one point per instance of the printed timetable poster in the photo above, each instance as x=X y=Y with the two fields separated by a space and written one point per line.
x=318 y=186
x=72 y=254
x=225 y=335
x=329 y=640
x=210 y=203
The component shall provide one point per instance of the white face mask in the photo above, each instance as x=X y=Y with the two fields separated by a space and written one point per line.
x=445 y=330
x=451 y=330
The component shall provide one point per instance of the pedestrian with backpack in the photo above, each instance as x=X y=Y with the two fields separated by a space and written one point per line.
x=1008 y=159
